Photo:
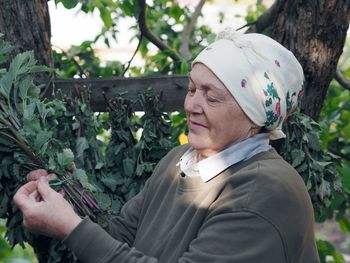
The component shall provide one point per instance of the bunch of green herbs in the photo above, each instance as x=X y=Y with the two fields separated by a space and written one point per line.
x=303 y=149
x=114 y=152
x=28 y=130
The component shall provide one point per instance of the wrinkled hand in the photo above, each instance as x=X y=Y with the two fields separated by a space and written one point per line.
x=36 y=174
x=44 y=210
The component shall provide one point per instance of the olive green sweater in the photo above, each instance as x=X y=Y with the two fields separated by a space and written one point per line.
x=255 y=211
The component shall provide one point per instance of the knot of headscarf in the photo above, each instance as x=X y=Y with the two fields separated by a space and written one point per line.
x=263 y=76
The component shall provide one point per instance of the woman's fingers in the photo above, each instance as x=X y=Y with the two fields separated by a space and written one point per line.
x=23 y=197
x=35 y=196
x=36 y=174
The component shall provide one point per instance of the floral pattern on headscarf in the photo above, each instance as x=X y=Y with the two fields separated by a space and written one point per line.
x=272 y=103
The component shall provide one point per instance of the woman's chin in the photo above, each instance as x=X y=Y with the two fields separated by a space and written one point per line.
x=200 y=146
x=196 y=142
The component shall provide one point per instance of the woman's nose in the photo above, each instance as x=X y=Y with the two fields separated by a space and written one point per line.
x=193 y=103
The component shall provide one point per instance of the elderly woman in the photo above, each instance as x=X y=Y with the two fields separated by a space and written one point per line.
x=227 y=196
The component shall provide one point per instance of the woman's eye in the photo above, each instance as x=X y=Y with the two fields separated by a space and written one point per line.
x=211 y=99
x=191 y=90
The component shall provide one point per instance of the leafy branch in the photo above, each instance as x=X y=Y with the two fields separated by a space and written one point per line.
x=147 y=32
x=186 y=33
x=81 y=70
x=303 y=150
x=26 y=121
x=265 y=20
x=133 y=55
x=342 y=80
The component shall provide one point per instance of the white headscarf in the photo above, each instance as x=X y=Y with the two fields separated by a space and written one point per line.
x=263 y=76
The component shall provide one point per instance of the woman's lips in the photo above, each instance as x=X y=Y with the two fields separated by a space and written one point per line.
x=195 y=125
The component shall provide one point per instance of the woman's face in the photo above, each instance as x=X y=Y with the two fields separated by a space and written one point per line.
x=215 y=120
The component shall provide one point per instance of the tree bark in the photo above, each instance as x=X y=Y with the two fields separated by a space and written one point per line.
x=26 y=25
x=315 y=31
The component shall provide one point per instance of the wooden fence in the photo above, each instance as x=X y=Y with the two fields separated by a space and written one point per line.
x=172 y=89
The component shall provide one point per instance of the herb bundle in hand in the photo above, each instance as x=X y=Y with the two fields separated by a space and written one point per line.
x=27 y=130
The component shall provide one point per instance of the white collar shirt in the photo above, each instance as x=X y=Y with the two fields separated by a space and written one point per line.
x=210 y=167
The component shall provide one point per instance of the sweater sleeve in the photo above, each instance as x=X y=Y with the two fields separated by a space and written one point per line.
x=239 y=237
x=124 y=226
x=90 y=243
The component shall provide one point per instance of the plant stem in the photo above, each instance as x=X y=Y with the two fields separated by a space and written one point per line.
x=13 y=130
x=29 y=153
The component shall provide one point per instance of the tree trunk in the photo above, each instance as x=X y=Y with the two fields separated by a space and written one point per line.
x=315 y=31
x=26 y=25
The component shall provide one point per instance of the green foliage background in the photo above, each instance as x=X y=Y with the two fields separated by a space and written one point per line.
x=95 y=138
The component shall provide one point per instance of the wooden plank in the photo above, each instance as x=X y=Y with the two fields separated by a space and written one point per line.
x=172 y=89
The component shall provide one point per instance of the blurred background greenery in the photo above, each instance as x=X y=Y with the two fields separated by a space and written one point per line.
x=88 y=59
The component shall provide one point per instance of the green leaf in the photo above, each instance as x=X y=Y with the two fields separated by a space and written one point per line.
x=136 y=9
x=41 y=138
x=325 y=249
x=314 y=141
x=5 y=200
x=6 y=141
x=106 y=17
x=298 y=157
x=320 y=166
x=82 y=177
x=31 y=126
x=52 y=166
x=104 y=200
x=127 y=7
x=5 y=48
x=111 y=182
x=40 y=68
x=344 y=224
x=65 y=158
x=24 y=86
x=6 y=85
x=75 y=125
x=118 y=148
x=139 y=169
x=307 y=123
x=175 y=11
x=324 y=190
x=128 y=166
x=81 y=145
x=211 y=38
x=99 y=165
x=184 y=67
x=29 y=110
x=69 y=4
x=22 y=63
